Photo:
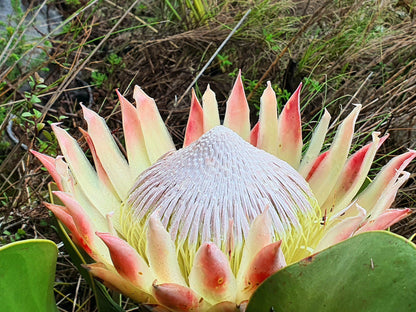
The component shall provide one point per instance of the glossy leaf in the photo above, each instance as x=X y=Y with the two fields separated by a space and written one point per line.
x=27 y=274
x=369 y=272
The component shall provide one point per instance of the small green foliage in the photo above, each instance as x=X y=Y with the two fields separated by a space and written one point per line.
x=8 y=236
x=98 y=78
x=29 y=120
x=223 y=62
x=282 y=96
x=313 y=85
x=37 y=86
x=10 y=30
x=114 y=59
x=4 y=145
x=31 y=117
x=116 y=62
x=17 y=7
x=72 y=2
x=272 y=39
x=43 y=223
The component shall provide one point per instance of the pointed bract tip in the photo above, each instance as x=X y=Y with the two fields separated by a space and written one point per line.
x=122 y=99
x=81 y=219
x=139 y=95
x=352 y=117
x=238 y=82
x=298 y=89
x=195 y=125
x=262 y=221
x=268 y=261
x=265 y=210
x=176 y=297
x=357 y=108
x=155 y=225
x=56 y=125
x=154 y=219
x=211 y=275
x=34 y=153
x=88 y=113
x=385 y=220
x=269 y=90
x=382 y=139
x=254 y=134
x=104 y=236
x=50 y=164
x=237 y=114
x=127 y=261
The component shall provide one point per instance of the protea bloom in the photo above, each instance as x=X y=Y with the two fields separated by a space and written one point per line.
x=200 y=228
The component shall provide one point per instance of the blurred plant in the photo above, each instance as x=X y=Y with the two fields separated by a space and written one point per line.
x=73 y=2
x=116 y=62
x=19 y=47
x=10 y=237
x=224 y=62
x=98 y=78
x=37 y=85
x=191 y=13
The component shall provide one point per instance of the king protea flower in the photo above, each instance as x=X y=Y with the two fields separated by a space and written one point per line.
x=201 y=227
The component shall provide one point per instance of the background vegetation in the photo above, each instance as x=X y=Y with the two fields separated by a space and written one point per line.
x=56 y=54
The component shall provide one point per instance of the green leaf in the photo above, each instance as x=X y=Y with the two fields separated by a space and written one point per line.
x=27 y=274
x=34 y=99
x=40 y=126
x=374 y=271
x=27 y=114
x=104 y=301
x=37 y=113
x=47 y=135
x=31 y=82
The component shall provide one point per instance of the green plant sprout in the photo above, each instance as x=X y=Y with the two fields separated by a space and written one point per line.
x=98 y=78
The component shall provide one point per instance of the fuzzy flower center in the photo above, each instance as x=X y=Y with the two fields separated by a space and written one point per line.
x=212 y=190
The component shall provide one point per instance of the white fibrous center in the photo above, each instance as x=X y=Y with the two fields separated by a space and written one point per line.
x=217 y=186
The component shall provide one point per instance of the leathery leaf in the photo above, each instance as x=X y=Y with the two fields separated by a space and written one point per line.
x=373 y=271
x=27 y=274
